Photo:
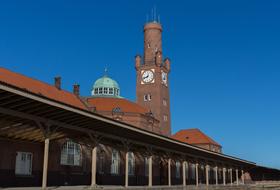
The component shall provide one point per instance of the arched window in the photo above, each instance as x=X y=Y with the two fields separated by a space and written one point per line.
x=146 y=166
x=193 y=171
x=101 y=161
x=131 y=163
x=71 y=154
x=187 y=170
x=178 y=166
x=115 y=164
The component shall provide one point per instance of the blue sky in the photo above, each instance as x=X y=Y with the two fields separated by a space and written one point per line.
x=224 y=59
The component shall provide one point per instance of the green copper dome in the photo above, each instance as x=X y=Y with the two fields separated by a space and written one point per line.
x=105 y=87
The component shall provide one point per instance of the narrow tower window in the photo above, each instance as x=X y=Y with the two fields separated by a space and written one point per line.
x=165 y=118
x=147 y=97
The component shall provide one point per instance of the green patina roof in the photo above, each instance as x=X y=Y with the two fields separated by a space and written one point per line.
x=106 y=82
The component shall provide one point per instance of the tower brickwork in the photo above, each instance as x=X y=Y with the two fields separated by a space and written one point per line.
x=152 y=86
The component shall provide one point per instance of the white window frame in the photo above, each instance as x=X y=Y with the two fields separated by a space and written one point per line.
x=165 y=118
x=164 y=102
x=22 y=166
x=178 y=167
x=71 y=154
x=115 y=162
x=131 y=163
x=147 y=97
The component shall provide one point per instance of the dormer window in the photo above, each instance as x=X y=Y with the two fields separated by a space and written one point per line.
x=100 y=91
x=105 y=90
x=111 y=91
x=96 y=91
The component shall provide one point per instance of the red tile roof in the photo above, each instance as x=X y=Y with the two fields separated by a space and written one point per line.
x=193 y=136
x=108 y=104
x=40 y=88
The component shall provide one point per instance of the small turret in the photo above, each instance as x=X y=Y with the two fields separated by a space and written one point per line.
x=167 y=64
x=137 y=62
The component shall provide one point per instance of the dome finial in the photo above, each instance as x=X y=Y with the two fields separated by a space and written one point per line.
x=106 y=71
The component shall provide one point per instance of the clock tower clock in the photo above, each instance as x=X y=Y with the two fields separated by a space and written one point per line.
x=152 y=85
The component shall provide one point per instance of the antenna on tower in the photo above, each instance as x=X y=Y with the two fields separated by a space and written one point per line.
x=155 y=13
x=154 y=17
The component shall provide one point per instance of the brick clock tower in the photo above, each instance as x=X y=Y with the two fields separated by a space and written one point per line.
x=152 y=88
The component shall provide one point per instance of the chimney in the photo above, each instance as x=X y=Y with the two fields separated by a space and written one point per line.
x=57 y=82
x=76 y=89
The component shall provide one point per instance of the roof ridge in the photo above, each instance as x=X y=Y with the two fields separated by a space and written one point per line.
x=37 y=80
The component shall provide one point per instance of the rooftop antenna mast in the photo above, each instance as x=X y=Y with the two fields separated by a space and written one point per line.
x=155 y=13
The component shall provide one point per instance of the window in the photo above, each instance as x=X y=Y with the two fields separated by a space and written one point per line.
x=164 y=102
x=187 y=170
x=111 y=91
x=165 y=118
x=96 y=91
x=23 y=163
x=193 y=171
x=146 y=166
x=101 y=161
x=115 y=162
x=178 y=166
x=71 y=154
x=147 y=97
x=131 y=163
x=105 y=90
x=100 y=90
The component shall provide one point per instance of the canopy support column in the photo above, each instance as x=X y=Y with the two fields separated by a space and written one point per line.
x=196 y=173
x=207 y=175
x=93 y=166
x=237 y=180
x=224 y=176
x=150 y=171
x=216 y=175
x=45 y=165
x=169 y=172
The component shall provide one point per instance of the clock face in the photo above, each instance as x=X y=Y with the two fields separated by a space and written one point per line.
x=148 y=76
x=164 y=78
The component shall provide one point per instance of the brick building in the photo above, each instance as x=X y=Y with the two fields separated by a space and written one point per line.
x=53 y=137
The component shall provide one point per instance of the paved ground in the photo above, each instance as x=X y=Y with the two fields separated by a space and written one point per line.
x=266 y=186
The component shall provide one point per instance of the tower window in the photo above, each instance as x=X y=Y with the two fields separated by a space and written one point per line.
x=164 y=102
x=147 y=97
x=165 y=118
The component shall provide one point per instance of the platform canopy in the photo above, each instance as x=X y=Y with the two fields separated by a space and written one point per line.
x=29 y=116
